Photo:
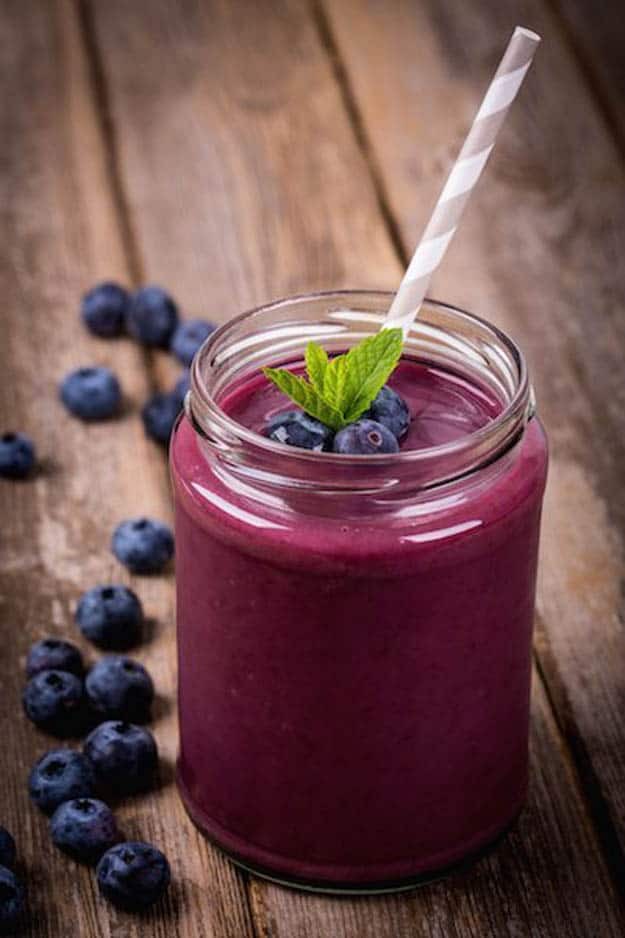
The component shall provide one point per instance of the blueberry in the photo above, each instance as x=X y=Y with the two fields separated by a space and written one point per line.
x=84 y=828
x=110 y=616
x=118 y=687
x=181 y=387
x=54 y=701
x=91 y=393
x=133 y=875
x=7 y=849
x=391 y=410
x=58 y=776
x=17 y=455
x=11 y=899
x=104 y=308
x=152 y=316
x=124 y=756
x=188 y=338
x=159 y=416
x=54 y=654
x=143 y=545
x=296 y=428
x=365 y=437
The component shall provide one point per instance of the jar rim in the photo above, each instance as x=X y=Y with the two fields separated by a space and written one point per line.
x=213 y=423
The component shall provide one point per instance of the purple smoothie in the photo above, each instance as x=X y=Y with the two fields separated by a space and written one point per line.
x=354 y=682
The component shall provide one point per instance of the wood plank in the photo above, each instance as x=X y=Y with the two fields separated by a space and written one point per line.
x=538 y=253
x=596 y=32
x=61 y=234
x=270 y=169
x=235 y=178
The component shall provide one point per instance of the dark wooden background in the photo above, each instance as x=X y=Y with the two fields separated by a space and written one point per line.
x=236 y=151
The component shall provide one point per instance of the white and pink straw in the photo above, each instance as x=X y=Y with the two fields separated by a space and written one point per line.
x=464 y=175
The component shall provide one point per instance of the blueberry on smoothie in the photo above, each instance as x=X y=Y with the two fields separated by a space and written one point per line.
x=84 y=828
x=124 y=756
x=54 y=701
x=152 y=316
x=110 y=616
x=12 y=899
x=188 y=337
x=58 y=776
x=17 y=455
x=296 y=428
x=119 y=687
x=143 y=545
x=7 y=849
x=391 y=410
x=133 y=875
x=159 y=416
x=91 y=393
x=54 y=654
x=103 y=309
x=365 y=438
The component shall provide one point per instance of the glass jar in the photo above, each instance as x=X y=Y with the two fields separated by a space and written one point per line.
x=354 y=632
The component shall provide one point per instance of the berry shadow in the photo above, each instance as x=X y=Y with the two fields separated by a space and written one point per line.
x=75 y=731
x=149 y=631
x=166 y=774
x=45 y=468
x=161 y=708
x=126 y=407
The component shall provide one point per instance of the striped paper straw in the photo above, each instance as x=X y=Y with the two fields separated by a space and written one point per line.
x=465 y=173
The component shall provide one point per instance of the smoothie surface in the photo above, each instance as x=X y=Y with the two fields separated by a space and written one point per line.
x=443 y=406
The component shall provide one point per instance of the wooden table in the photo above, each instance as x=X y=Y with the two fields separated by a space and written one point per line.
x=236 y=151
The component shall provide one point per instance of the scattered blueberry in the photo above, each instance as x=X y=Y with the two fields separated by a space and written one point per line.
x=118 y=687
x=17 y=455
x=391 y=410
x=84 y=828
x=7 y=849
x=58 y=776
x=133 y=875
x=91 y=393
x=103 y=309
x=159 y=416
x=365 y=438
x=124 y=756
x=181 y=387
x=296 y=428
x=11 y=899
x=152 y=316
x=54 y=701
x=54 y=654
x=188 y=338
x=143 y=545
x=110 y=616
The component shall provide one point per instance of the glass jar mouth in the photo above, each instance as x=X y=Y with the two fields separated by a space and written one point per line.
x=272 y=333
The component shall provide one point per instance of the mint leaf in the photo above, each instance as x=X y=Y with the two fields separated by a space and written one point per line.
x=316 y=364
x=334 y=382
x=368 y=366
x=341 y=389
x=304 y=394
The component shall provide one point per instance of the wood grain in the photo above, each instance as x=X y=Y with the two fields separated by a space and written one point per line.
x=596 y=32
x=61 y=234
x=538 y=253
x=268 y=195
x=235 y=175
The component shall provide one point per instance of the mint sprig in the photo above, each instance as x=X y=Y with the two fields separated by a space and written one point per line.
x=339 y=390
